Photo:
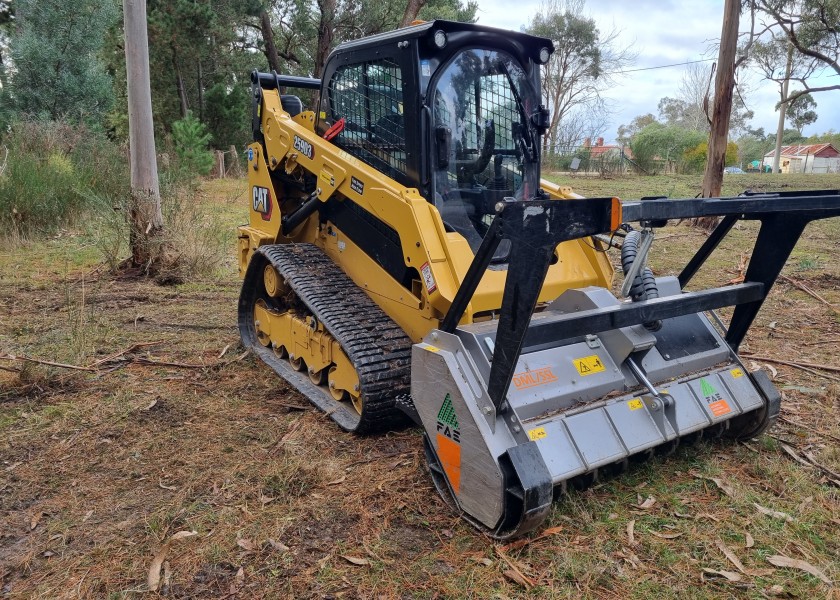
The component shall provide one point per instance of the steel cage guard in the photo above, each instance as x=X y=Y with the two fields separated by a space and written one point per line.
x=535 y=228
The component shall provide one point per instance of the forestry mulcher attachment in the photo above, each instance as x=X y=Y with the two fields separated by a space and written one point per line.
x=404 y=259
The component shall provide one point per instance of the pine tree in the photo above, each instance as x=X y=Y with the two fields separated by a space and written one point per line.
x=55 y=50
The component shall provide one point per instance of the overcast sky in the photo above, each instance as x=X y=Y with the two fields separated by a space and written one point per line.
x=663 y=32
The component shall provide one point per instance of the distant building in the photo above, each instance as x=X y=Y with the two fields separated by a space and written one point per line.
x=806 y=158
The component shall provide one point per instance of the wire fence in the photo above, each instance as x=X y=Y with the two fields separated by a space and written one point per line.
x=604 y=161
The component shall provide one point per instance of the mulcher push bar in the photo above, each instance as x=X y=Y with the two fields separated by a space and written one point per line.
x=536 y=227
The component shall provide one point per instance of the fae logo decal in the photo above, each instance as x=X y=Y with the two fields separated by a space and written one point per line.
x=304 y=147
x=262 y=202
x=449 y=443
x=447 y=422
x=717 y=404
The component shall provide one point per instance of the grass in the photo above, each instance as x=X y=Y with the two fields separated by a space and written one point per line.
x=109 y=466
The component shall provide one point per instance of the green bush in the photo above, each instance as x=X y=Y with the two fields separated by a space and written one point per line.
x=191 y=139
x=51 y=171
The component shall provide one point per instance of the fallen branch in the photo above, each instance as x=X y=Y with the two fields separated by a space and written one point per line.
x=798 y=365
x=128 y=350
x=48 y=363
x=811 y=429
x=820 y=342
x=808 y=291
x=9 y=369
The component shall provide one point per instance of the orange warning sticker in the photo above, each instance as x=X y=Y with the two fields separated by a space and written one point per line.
x=736 y=373
x=635 y=404
x=537 y=434
x=720 y=408
x=449 y=454
x=527 y=379
x=588 y=365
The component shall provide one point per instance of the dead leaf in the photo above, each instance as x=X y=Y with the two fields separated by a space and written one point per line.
x=246 y=544
x=777 y=560
x=36 y=518
x=151 y=404
x=667 y=536
x=266 y=499
x=795 y=456
x=337 y=481
x=721 y=484
x=355 y=560
x=776 y=514
x=749 y=542
x=731 y=556
x=648 y=503
x=182 y=534
x=163 y=486
x=87 y=516
x=517 y=578
x=631 y=538
x=730 y=575
x=167 y=573
x=153 y=578
x=240 y=577
x=482 y=560
x=279 y=546
x=223 y=352
x=524 y=542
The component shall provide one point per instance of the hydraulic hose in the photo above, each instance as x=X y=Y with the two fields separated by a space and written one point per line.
x=644 y=284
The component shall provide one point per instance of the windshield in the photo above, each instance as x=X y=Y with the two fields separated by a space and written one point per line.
x=486 y=148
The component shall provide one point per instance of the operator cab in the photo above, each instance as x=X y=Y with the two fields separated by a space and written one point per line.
x=452 y=109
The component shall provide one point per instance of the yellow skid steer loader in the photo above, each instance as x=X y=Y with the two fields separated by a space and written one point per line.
x=405 y=262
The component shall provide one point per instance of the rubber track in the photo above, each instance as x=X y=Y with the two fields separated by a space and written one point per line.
x=378 y=348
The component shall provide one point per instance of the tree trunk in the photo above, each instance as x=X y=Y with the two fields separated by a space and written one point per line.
x=325 y=34
x=200 y=92
x=146 y=219
x=268 y=40
x=722 y=108
x=179 y=83
x=412 y=9
x=780 y=130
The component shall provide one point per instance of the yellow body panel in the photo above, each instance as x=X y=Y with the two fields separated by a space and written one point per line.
x=295 y=149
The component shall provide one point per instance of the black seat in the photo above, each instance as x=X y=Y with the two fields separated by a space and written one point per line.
x=291 y=104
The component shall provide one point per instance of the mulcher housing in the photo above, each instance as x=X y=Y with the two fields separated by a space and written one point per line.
x=404 y=259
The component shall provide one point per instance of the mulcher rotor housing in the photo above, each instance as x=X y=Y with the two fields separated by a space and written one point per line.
x=404 y=261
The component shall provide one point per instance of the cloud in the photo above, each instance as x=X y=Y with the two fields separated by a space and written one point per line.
x=662 y=32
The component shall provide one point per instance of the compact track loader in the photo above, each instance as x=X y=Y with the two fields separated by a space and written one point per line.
x=404 y=262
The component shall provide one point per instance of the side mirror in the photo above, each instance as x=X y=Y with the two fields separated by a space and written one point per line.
x=443 y=142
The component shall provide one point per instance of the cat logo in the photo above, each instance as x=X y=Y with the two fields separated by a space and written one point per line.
x=262 y=202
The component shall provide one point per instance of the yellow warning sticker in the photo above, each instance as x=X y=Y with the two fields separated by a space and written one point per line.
x=537 y=434
x=736 y=373
x=588 y=365
x=635 y=404
x=431 y=348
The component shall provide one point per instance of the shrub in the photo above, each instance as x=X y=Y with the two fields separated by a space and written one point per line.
x=191 y=139
x=51 y=168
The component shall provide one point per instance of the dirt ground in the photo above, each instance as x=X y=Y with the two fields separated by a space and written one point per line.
x=171 y=448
